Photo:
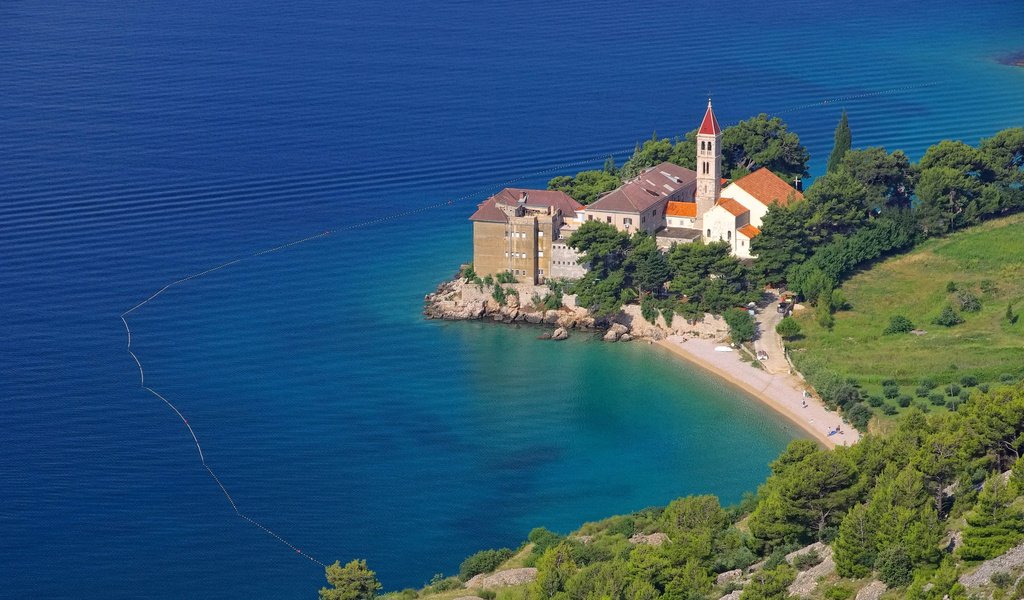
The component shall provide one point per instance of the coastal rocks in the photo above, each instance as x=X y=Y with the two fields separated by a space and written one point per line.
x=654 y=539
x=872 y=591
x=615 y=332
x=560 y=334
x=502 y=578
x=734 y=595
x=724 y=578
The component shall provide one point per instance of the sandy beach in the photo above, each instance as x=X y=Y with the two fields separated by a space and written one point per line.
x=782 y=391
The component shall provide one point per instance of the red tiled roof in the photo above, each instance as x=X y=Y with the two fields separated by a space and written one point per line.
x=488 y=209
x=681 y=209
x=710 y=124
x=646 y=190
x=767 y=187
x=749 y=230
x=735 y=208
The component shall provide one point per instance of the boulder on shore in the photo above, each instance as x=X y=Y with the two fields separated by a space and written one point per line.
x=615 y=332
x=560 y=334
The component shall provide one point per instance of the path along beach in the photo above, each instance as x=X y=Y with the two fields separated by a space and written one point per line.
x=782 y=391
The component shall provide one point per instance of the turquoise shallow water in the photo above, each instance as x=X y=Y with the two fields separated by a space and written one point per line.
x=140 y=143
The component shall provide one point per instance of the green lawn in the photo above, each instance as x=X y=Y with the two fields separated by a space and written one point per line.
x=987 y=260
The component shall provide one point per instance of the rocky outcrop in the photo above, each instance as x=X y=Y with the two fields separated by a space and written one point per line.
x=734 y=595
x=615 y=332
x=560 y=334
x=1010 y=560
x=654 y=539
x=872 y=591
x=806 y=581
x=502 y=578
x=724 y=578
x=461 y=299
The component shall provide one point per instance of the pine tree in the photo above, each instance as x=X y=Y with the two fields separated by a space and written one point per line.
x=994 y=526
x=855 y=546
x=844 y=140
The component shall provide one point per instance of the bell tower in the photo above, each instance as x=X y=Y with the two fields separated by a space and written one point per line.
x=709 y=165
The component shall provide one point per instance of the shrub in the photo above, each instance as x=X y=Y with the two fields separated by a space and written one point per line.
x=890 y=391
x=1010 y=317
x=1007 y=378
x=983 y=388
x=937 y=399
x=923 y=407
x=839 y=301
x=838 y=591
x=788 y=328
x=948 y=317
x=898 y=324
x=408 y=594
x=953 y=404
x=968 y=381
x=904 y=400
x=859 y=416
x=824 y=316
x=1001 y=579
x=741 y=325
x=964 y=395
x=922 y=392
x=876 y=401
x=988 y=286
x=649 y=309
x=967 y=301
x=542 y=539
x=499 y=295
x=894 y=567
x=889 y=409
x=484 y=561
x=928 y=382
x=952 y=389
x=668 y=314
x=890 y=382
x=951 y=287
x=804 y=561
x=506 y=277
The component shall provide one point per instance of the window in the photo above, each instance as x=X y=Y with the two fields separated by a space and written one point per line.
x=654 y=212
x=728 y=235
x=590 y=217
x=643 y=219
x=709 y=233
x=540 y=254
x=627 y=221
x=609 y=219
x=540 y=233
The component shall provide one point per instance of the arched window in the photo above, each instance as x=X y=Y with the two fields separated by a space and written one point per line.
x=709 y=233
x=702 y=144
x=728 y=235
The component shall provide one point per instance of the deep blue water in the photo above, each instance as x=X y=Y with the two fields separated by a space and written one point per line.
x=141 y=142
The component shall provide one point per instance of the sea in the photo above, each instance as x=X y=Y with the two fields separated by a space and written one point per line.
x=145 y=142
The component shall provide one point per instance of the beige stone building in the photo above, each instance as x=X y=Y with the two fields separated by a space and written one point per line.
x=640 y=203
x=514 y=230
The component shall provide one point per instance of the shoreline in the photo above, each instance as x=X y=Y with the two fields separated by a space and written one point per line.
x=781 y=393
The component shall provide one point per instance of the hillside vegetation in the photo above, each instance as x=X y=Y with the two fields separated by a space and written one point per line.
x=986 y=262
x=915 y=509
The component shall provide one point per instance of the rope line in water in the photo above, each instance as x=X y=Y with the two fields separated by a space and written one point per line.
x=489 y=189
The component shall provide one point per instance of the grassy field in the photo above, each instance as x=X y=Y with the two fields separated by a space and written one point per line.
x=987 y=260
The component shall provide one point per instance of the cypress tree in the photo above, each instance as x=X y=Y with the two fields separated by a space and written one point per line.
x=844 y=140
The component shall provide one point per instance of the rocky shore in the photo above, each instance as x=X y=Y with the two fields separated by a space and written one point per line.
x=460 y=299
